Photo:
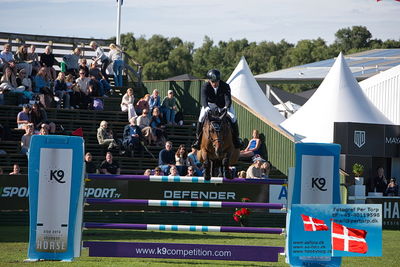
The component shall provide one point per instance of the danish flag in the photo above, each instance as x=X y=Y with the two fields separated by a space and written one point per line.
x=312 y=224
x=348 y=239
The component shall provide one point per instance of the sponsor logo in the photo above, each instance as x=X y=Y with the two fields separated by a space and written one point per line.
x=14 y=191
x=172 y=194
x=392 y=140
x=359 y=138
x=318 y=183
x=101 y=192
x=57 y=175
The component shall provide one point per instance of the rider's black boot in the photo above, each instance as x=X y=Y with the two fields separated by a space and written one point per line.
x=199 y=133
x=235 y=137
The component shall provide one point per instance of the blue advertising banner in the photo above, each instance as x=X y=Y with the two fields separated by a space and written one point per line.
x=56 y=183
x=336 y=230
x=316 y=181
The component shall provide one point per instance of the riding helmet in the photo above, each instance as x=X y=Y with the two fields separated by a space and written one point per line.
x=214 y=75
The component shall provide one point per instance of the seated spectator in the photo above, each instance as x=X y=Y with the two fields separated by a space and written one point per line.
x=23 y=117
x=254 y=171
x=392 y=189
x=47 y=60
x=44 y=129
x=83 y=84
x=147 y=172
x=7 y=58
x=94 y=71
x=109 y=166
x=132 y=137
x=157 y=127
x=73 y=90
x=142 y=104
x=169 y=107
x=127 y=103
x=22 y=60
x=26 y=95
x=143 y=121
x=191 y=171
x=379 y=183
x=155 y=100
x=72 y=62
x=26 y=139
x=83 y=66
x=181 y=160
x=173 y=171
x=195 y=163
x=8 y=82
x=253 y=147
x=61 y=91
x=105 y=136
x=265 y=169
x=95 y=103
x=16 y=170
x=34 y=57
x=38 y=116
x=105 y=87
x=42 y=86
x=158 y=171
x=90 y=166
x=166 y=157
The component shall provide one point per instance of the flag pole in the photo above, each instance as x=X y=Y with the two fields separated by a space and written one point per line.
x=119 y=3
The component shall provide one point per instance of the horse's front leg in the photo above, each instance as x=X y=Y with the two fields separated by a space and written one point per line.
x=207 y=170
x=225 y=165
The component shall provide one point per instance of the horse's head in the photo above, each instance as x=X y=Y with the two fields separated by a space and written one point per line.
x=217 y=131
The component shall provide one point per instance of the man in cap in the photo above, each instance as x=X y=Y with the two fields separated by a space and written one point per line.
x=216 y=94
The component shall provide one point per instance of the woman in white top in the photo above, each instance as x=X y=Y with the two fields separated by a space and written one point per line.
x=115 y=56
x=127 y=103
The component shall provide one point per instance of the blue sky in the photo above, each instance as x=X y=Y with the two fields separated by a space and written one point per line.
x=191 y=20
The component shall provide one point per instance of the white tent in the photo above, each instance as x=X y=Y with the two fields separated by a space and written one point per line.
x=383 y=90
x=245 y=88
x=339 y=98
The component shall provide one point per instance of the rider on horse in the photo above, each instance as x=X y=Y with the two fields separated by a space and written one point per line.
x=216 y=94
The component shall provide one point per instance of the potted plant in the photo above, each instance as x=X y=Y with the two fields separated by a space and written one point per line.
x=241 y=214
x=358 y=170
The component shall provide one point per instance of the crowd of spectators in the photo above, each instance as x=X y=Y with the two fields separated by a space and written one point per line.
x=33 y=78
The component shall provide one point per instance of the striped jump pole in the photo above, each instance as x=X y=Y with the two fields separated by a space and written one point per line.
x=185 y=179
x=190 y=228
x=185 y=203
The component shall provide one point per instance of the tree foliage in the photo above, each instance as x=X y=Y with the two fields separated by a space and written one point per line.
x=165 y=57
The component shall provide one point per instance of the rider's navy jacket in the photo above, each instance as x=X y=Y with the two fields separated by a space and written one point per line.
x=221 y=99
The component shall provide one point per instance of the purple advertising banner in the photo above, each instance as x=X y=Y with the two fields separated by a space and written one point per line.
x=183 y=251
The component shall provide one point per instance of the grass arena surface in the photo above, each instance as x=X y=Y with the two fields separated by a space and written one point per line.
x=14 y=246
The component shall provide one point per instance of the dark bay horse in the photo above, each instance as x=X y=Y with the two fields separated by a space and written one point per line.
x=217 y=149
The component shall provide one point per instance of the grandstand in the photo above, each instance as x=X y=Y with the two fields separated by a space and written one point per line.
x=278 y=147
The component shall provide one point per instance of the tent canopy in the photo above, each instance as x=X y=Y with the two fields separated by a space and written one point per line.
x=339 y=98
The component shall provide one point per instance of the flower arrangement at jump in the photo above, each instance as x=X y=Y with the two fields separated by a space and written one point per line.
x=241 y=214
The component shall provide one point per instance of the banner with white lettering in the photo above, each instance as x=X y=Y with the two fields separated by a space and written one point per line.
x=55 y=197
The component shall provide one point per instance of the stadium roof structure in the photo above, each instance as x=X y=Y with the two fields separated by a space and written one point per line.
x=339 y=98
x=245 y=88
x=362 y=65
x=182 y=77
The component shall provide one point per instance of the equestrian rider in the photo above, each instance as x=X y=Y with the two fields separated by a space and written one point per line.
x=216 y=93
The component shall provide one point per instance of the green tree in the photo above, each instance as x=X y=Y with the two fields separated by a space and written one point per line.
x=356 y=37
